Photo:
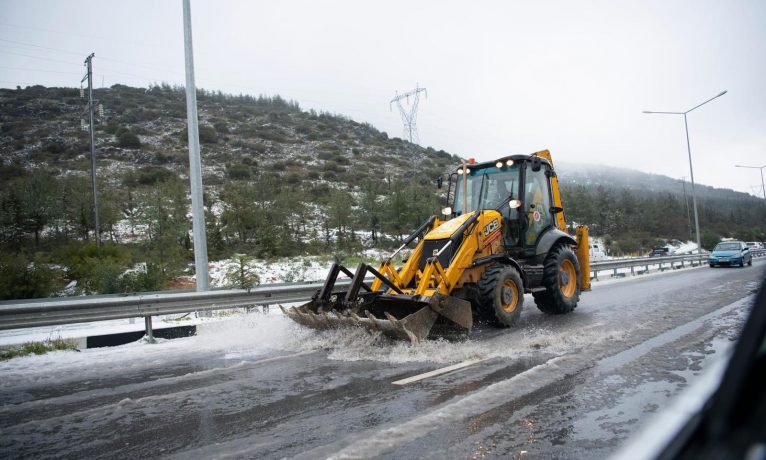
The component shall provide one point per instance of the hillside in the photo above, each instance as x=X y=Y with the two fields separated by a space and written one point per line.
x=279 y=182
x=240 y=136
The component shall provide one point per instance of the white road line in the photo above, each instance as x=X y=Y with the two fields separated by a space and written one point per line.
x=441 y=371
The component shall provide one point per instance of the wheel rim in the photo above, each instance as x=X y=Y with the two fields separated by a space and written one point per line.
x=509 y=296
x=567 y=278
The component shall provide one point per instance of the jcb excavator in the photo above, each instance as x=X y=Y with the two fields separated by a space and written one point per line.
x=505 y=235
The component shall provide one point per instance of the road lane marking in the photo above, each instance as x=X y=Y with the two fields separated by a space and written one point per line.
x=443 y=370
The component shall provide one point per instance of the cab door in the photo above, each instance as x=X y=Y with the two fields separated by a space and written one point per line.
x=537 y=204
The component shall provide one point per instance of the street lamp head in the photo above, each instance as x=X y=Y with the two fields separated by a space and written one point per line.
x=647 y=111
x=724 y=92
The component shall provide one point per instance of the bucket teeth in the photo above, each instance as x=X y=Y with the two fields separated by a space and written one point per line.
x=372 y=320
x=391 y=318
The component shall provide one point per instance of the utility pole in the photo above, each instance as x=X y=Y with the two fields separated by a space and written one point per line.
x=686 y=200
x=410 y=112
x=89 y=77
x=195 y=164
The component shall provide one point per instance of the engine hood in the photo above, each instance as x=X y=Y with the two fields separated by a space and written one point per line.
x=448 y=228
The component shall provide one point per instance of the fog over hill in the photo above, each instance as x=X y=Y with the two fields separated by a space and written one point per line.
x=638 y=182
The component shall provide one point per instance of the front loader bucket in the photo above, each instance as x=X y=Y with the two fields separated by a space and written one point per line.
x=390 y=311
x=398 y=316
x=414 y=327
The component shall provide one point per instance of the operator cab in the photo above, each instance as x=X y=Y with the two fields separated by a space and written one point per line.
x=518 y=187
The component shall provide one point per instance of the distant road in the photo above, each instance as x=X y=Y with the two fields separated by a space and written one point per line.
x=573 y=386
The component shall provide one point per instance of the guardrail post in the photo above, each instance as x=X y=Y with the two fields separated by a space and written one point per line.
x=632 y=270
x=149 y=332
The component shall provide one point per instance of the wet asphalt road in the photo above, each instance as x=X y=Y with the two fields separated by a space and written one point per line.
x=573 y=386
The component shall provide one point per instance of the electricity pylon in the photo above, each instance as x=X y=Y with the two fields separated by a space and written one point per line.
x=409 y=111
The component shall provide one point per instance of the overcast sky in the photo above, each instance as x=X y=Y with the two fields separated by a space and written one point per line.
x=502 y=77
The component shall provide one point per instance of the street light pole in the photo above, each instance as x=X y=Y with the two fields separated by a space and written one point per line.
x=691 y=170
x=195 y=163
x=763 y=187
x=686 y=202
x=694 y=193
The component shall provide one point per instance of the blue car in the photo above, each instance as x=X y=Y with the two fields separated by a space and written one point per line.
x=730 y=253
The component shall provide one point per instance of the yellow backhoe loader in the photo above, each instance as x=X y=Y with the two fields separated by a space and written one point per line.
x=505 y=235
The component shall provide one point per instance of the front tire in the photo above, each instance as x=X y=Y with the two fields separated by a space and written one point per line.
x=501 y=295
x=561 y=280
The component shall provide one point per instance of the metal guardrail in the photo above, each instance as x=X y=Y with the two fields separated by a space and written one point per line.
x=67 y=310
x=635 y=264
x=666 y=262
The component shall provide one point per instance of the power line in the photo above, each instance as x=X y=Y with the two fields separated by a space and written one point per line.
x=40 y=58
x=40 y=46
x=38 y=70
x=70 y=34
x=175 y=78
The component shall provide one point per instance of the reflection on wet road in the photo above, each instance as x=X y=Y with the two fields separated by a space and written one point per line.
x=571 y=386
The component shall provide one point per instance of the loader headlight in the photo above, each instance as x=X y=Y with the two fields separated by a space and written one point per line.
x=514 y=204
x=447 y=211
x=460 y=171
x=499 y=164
x=509 y=163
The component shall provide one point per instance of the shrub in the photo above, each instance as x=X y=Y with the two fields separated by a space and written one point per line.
x=293 y=178
x=242 y=275
x=149 y=278
x=238 y=172
x=20 y=279
x=148 y=175
x=128 y=139
x=221 y=127
x=207 y=134
x=55 y=147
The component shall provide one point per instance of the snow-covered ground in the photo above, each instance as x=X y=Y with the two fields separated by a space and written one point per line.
x=685 y=248
x=285 y=270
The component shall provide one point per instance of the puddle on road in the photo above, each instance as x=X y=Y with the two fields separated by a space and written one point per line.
x=254 y=333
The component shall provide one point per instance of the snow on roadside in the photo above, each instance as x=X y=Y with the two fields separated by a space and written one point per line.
x=284 y=270
x=272 y=271
x=686 y=248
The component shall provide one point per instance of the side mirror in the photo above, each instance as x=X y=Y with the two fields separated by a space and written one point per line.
x=556 y=209
x=514 y=204
x=439 y=181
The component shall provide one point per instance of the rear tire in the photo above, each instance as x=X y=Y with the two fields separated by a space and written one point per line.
x=750 y=262
x=501 y=295
x=561 y=280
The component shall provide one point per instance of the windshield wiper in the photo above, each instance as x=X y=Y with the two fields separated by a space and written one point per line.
x=507 y=200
